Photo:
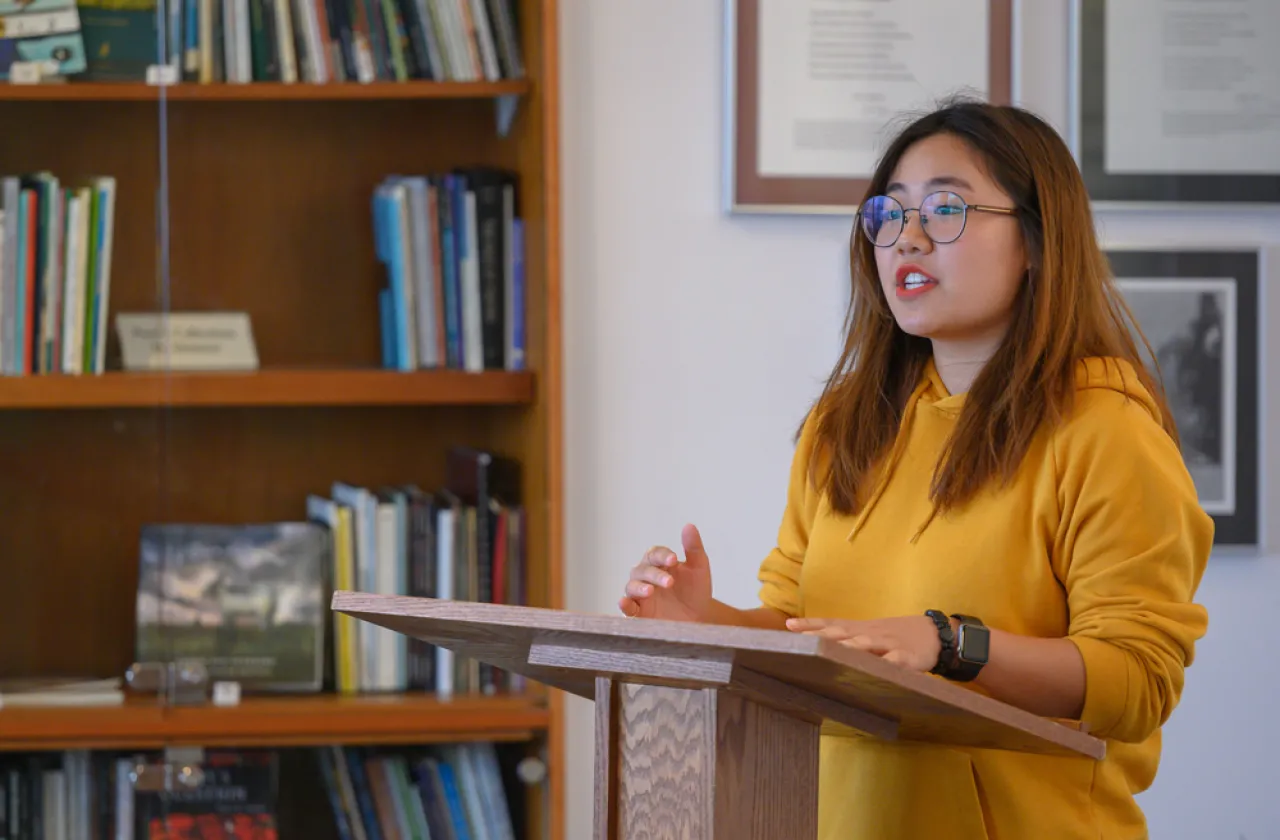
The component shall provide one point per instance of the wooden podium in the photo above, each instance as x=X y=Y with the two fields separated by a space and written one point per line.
x=706 y=731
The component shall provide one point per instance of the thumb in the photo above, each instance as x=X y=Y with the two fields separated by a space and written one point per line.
x=694 y=554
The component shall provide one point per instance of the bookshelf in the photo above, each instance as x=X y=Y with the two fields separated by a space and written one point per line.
x=277 y=722
x=268 y=191
x=265 y=91
x=270 y=388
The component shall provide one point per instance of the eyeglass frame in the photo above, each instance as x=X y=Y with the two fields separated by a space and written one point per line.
x=964 y=224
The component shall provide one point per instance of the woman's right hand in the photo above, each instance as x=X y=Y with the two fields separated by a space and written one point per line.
x=661 y=586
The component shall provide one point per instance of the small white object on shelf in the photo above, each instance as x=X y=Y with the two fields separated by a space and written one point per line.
x=162 y=75
x=32 y=72
x=226 y=693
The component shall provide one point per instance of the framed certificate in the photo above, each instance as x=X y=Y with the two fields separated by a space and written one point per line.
x=817 y=87
x=1200 y=313
x=1174 y=102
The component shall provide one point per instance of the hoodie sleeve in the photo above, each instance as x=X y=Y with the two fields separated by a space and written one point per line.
x=1132 y=546
x=780 y=571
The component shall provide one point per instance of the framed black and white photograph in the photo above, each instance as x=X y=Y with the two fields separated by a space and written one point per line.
x=1199 y=313
x=1174 y=102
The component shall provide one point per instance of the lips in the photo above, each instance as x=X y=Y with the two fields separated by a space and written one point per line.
x=922 y=277
x=913 y=281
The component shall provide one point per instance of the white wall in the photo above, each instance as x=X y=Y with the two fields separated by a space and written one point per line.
x=694 y=342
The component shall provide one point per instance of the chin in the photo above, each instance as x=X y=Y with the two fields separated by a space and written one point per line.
x=948 y=333
x=919 y=327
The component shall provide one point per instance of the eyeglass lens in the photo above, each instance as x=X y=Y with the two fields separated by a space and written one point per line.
x=941 y=215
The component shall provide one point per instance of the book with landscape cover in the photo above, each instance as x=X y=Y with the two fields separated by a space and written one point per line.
x=248 y=601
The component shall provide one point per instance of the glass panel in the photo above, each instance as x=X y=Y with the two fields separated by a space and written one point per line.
x=78 y=470
x=82 y=463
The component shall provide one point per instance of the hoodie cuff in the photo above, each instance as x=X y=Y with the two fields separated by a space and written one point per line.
x=1106 y=684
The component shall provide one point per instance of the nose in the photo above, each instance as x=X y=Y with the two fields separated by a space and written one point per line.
x=913 y=239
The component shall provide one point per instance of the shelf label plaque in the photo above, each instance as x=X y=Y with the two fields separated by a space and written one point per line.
x=186 y=341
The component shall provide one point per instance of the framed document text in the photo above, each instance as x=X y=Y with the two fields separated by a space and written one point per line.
x=1175 y=102
x=815 y=88
x=1200 y=312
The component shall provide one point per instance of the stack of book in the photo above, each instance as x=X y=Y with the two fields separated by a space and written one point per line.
x=453 y=248
x=55 y=273
x=311 y=41
x=251 y=600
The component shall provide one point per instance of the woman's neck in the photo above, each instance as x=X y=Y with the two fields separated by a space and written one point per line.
x=959 y=363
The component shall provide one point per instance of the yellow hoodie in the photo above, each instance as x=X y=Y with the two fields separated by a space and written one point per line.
x=1100 y=539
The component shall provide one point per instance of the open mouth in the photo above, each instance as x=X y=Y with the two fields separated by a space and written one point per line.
x=913 y=281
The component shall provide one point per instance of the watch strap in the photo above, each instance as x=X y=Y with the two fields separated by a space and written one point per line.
x=947 y=653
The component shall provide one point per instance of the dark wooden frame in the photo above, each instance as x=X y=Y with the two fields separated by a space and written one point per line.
x=1243 y=266
x=748 y=190
x=1087 y=122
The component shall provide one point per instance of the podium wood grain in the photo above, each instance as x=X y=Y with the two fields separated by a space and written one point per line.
x=708 y=732
x=706 y=763
x=849 y=691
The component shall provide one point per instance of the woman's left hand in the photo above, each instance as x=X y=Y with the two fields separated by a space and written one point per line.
x=911 y=641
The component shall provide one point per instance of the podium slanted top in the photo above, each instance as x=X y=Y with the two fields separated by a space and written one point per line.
x=851 y=691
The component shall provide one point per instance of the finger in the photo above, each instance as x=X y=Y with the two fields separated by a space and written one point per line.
x=628 y=607
x=661 y=556
x=874 y=644
x=898 y=657
x=694 y=553
x=907 y=659
x=802 y=624
x=638 y=589
x=652 y=574
x=834 y=632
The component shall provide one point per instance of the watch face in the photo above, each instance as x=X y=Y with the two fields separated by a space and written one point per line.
x=974 y=643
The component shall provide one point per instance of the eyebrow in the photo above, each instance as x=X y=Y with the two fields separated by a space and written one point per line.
x=940 y=181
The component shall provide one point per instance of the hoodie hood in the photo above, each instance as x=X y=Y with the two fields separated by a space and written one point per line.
x=1106 y=372
x=936 y=409
x=1113 y=374
x=1102 y=372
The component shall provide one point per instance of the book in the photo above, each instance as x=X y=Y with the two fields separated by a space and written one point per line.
x=247 y=601
x=43 y=32
x=60 y=691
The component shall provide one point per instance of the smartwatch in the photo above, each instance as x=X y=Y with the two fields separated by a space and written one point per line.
x=948 y=639
x=972 y=647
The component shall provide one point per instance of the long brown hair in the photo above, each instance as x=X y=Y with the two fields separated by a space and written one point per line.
x=1067 y=309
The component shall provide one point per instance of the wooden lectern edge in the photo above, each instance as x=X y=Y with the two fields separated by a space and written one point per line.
x=774 y=641
x=649 y=629
x=943 y=690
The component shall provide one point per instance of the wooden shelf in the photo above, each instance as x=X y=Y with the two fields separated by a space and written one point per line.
x=264 y=91
x=267 y=388
x=276 y=721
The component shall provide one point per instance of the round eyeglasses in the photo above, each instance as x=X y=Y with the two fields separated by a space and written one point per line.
x=942 y=217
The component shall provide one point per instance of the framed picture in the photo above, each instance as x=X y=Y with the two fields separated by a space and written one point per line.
x=1174 y=103
x=1199 y=311
x=815 y=87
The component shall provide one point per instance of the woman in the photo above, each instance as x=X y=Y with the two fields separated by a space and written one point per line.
x=989 y=451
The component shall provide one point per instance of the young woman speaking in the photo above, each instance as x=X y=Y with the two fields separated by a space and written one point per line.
x=989 y=488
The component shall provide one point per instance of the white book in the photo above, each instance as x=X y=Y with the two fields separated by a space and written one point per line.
x=472 y=325
x=445 y=524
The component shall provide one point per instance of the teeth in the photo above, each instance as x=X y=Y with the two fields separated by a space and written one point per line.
x=915 y=280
